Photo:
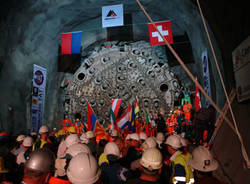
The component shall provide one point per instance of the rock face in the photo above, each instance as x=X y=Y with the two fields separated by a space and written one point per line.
x=30 y=34
x=130 y=71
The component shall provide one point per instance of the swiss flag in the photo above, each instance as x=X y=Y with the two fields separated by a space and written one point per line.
x=165 y=29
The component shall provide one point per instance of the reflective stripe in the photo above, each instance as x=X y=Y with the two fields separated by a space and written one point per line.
x=180 y=178
x=191 y=181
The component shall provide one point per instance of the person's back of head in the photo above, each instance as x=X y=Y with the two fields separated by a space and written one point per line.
x=38 y=168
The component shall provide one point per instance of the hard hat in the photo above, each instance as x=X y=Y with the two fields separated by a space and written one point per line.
x=2 y=169
x=202 y=160
x=149 y=143
x=60 y=164
x=84 y=139
x=41 y=160
x=90 y=134
x=114 y=133
x=43 y=129
x=151 y=159
x=33 y=133
x=143 y=136
x=72 y=130
x=134 y=136
x=83 y=169
x=27 y=142
x=20 y=138
x=160 y=137
x=174 y=141
x=71 y=139
x=112 y=148
x=75 y=149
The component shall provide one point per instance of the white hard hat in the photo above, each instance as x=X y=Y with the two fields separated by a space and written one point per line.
x=160 y=137
x=83 y=169
x=90 y=134
x=149 y=143
x=84 y=138
x=114 y=133
x=60 y=164
x=151 y=159
x=71 y=139
x=33 y=133
x=112 y=148
x=77 y=148
x=143 y=136
x=20 y=138
x=43 y=129
x=174 y=141
x=27 y=142
x=202 y=160
x=134 y=136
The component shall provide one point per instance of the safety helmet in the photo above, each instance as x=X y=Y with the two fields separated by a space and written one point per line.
x=72 y=130
x=60 y=164
x=20 y=138
x=75 y=149
x=41 y=160
x=71 y=139
x=112 y=148
x=174 y=141
x=90 y=134
x=83 y=169
x=151 y=159
x=43 y=129
x=149 y=143
x=84 y=139
x=114 y=133
x=27 y=142
x=143 y=136
x=202 y=160
x=2 y=168
x=33 y=133
x=134 y=136
x=160 y=137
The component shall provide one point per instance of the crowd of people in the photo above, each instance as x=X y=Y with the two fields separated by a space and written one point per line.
x=161 y=153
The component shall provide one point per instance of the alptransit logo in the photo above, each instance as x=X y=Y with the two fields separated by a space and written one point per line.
x=111 y=15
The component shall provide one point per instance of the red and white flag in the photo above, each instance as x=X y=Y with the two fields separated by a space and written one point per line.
x=165 y=29
x=197 y=100
x=116 y=103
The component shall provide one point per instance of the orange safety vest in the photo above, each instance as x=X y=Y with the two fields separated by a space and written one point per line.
x=54 y=180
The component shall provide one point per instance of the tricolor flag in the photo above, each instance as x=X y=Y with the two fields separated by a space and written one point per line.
x=137 y=108
x=197 y=101
x=112 y=119
x=91 y=118
x=71 y=43
x=123 y=121
x=116 y=103
x=164 y=28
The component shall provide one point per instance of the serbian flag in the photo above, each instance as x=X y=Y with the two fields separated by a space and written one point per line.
x=92 y=120
x=197 y=101
x=116 y=103
x=123 y=121
x=164 y=28
x=71 y=43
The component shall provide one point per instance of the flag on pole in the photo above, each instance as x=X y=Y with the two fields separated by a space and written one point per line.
x=137 y=108
x=116 y=103
x=112 y=119
x=123 y=121
x=71 y=43
x=197 y=101
x=91 y=118
x=146 y=118
x=165 y=29
x=132 y=119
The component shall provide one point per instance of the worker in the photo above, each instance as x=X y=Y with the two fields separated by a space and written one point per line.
x=40 y=143
x=92 y=142
x=151 y=163
x=39 y=167
x=19 y=145
x=113 y=135
x=160 y=138
x=83 y=169
x=113 y=172
x=143 y=136
x=181 y=172
x=27 y=148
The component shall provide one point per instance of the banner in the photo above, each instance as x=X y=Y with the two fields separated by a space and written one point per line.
x=38 y=97
x=165 y=29
x=206 y=76
x=241 y=65
x=71 y=43
x=112 y=16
